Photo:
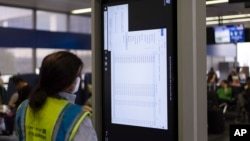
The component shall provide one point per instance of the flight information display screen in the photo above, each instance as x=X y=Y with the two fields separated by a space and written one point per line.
x=139 y=70
x=229 y=34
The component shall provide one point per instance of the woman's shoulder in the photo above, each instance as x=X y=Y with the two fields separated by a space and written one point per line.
x=86 y=131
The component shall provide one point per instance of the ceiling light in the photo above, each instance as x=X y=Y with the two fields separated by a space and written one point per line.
x=212 y=18
x=212 y=22
x=81 y=11
x=235 y=16
x=228 y=21
x=236 y=20
x=228 y=17
x=216 y=2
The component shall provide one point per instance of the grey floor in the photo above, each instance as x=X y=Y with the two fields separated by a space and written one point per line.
x=221 y=137
x=229 y=120
x=211 y=137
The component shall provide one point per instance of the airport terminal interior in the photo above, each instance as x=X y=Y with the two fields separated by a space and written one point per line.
x=32 y=29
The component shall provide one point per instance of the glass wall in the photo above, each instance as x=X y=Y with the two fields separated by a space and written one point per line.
x=16 y=17
x=243 y=54
x=16 y=60
x=51 y=21
x=79 y=24
x=84 y=55
x=26 y=59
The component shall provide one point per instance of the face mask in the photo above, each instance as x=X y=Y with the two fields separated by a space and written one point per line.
x=77 y=85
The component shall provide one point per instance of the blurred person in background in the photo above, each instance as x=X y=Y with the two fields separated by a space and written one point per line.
x=212 y=77
x=212 y=80
x=232 y=76
x=84 y=94
x=23 y=92
x=3 y=93
x=1 y=80
x=224 y=92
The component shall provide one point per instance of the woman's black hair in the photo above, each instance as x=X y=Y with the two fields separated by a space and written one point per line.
x=58 y=71
x=225 y=82
x=16 y=79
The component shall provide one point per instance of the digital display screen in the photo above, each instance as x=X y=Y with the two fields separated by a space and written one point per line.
x=229 y=34
x=139 y=69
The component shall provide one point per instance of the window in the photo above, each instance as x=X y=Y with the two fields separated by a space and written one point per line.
x=16 y=17
x=51 y=21
x=80 y=24
x=84 y=55
x=16 y=60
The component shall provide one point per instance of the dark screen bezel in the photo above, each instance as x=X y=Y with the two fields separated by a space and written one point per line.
x=132 y=133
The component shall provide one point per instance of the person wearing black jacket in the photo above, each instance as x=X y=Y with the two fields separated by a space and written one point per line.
x=23 y=90
x=243 y=103
x=84 y=94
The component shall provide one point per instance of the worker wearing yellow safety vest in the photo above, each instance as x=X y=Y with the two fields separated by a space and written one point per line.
x=49 y=114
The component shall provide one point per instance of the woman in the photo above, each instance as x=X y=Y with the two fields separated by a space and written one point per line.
x=232 y=76
x=49 y=114
x=224 y=92
x=212 y=77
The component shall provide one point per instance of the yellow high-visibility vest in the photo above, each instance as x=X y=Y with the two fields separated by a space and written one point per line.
x=58 y=120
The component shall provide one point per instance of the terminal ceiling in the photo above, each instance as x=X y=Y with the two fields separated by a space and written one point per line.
x=68 y=5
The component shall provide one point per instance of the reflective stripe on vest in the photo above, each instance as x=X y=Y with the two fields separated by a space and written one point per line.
x=20 y=118
x=58 y=120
